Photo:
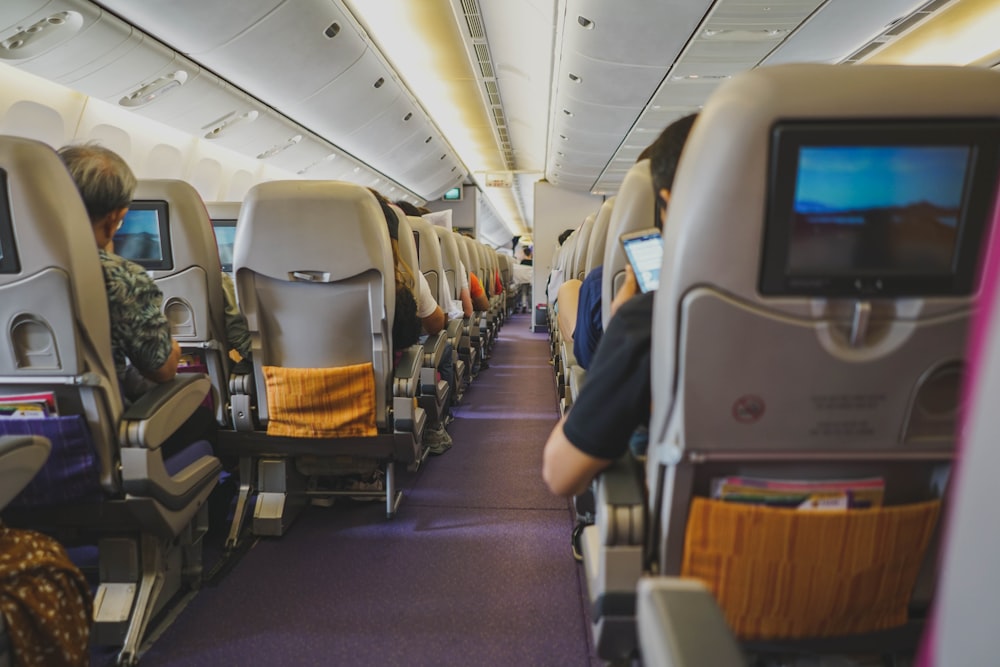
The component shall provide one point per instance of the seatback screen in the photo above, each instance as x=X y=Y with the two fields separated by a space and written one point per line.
x=144 y=236
x=225 y=236
x=878 y=210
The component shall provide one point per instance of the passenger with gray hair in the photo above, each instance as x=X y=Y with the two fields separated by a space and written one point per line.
x=140 y=333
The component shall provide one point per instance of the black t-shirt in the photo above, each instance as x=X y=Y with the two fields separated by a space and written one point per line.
x=616 y=398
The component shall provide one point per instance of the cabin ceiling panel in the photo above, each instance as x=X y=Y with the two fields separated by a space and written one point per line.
x=60 y=38
x=299 y=156
x=839 y=28
x=249 y=128
x=193 y=26
x=650 y=33
x=349 y=102
x=603 y=82
x=112 y=77
x=291 y=53
x=13 y=12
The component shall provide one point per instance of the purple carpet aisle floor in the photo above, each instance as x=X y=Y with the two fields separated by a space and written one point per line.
x=476 y=568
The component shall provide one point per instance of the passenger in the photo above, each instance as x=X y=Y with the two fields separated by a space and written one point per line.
x=415 y=305
x=555 y=279
x=526 y=261
x=237 y=331
x=45 y=601
x=480 y=301
x=144 y=352
x=615 y=401
x=589 y=325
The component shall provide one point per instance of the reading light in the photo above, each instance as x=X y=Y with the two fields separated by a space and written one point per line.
x=274 y=150
x=146 y=93
x=228 y=122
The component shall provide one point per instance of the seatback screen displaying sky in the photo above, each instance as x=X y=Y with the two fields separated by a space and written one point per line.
x=877 y=209
x=225 y=236
x=138 y=239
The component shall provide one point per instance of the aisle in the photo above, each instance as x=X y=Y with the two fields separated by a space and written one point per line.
x=474 y=569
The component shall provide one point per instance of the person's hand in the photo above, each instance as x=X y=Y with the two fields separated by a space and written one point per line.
x=628 y=290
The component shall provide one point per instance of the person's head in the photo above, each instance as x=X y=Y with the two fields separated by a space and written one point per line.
x=664 y=155
x=527 y=251
x=408 y=208
x=403 y=273
x=106 y=185
x=565 y=235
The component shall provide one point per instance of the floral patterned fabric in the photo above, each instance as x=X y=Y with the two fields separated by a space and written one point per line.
x=45 y=601
x=139 y=330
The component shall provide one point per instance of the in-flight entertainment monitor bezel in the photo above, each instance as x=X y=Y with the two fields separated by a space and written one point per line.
x=9 y=262
x=814 y=246
x=141 y=209
x=227 y=224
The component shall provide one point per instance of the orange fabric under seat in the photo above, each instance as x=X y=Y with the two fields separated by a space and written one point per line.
x=785 y=573
x=321 y=402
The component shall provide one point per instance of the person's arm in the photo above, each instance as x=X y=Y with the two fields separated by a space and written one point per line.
x=435 y=321
x=567 y=471
x=479 y=300
x=569 y=295
x=628 y=290
x=168 y=370
x=467 y=308
x=237 y=331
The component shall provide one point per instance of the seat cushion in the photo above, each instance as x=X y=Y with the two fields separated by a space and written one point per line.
x=321 y=402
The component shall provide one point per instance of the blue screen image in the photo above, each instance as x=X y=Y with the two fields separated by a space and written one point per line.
x=225 y=236
x=877 y=209
x=138 y=239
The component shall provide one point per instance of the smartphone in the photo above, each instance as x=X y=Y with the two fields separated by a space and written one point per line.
x=644 y=249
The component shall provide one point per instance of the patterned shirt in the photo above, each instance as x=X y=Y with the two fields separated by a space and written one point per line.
x=139 y=330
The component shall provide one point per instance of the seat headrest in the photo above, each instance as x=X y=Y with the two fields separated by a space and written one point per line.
x=715 y=229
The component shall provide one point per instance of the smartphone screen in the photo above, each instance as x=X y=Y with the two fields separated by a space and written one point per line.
x=645 y=253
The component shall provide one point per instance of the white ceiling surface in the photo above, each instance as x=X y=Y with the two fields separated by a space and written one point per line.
x=585 y=84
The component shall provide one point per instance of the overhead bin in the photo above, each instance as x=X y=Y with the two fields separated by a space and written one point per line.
x=586 y=79
x=290 y=54
x=193 y=26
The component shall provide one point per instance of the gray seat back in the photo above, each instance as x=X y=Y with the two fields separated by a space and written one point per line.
x=52 y=298
x=314 y=278
x=429 y=252
x=583 y=247
x=450 y=258
x=599 y=235
x=799 y=386
x=633 y=209
x=193 y=300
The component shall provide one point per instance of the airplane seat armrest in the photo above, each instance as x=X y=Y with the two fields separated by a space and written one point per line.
x=434 y=349
x=680 y=625
x=620 y=502
x=144 y=474
x=21 y=457
x=406 y=377
x=454 y=329
x=160 y=411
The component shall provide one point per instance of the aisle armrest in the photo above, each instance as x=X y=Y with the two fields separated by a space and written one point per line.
x=680 y=625
x=160 y=411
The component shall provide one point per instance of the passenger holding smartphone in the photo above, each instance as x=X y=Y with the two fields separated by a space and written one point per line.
x=616 y=397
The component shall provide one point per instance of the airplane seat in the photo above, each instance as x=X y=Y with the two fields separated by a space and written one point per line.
x=432 y=266
x=966 y=600
x=451 y=258
x=634 y=209
x=478 y=329
x=807 y=331
x=599 y=235
x=59 y=613
x=583 y=246
x=434 y=393
x=107 y=479
x=191 y=282
x=315 y=280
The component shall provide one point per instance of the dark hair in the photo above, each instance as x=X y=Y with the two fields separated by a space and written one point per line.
x=565 y=235
x=665 y=152
x=406 y=326
x=408 y=208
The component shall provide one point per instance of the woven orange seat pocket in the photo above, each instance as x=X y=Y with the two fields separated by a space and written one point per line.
x=784 y=573
x=321 y=402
